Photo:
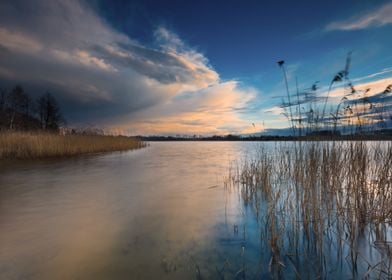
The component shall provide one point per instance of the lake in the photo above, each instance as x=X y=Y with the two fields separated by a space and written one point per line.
x=161 y=212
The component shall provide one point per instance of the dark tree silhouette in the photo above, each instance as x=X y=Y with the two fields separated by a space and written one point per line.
x=3 y=98
x=49 y=112
x=18 y=102
x=18 y=111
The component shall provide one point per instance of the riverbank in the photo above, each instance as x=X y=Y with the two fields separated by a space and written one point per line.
x=31 y=145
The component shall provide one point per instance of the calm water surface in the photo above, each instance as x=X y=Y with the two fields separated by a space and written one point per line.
x=157 y=213
x=162 y=212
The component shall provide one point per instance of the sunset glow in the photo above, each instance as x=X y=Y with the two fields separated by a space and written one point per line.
x=176 y=77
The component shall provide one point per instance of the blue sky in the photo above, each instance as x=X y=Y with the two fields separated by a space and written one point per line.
x=246 y=38
x=193 y=67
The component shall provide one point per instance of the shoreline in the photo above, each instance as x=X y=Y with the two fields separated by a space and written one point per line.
x=42 y=145
x=267 y=139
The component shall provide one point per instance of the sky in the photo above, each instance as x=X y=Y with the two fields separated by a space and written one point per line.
x=190 y=67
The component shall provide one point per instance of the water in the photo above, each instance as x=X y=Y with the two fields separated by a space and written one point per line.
x=157 y=213
x=162 y=212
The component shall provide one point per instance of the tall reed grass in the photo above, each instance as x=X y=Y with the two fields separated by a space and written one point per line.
x=22 y=145
x=359 y=111
x=322 y=207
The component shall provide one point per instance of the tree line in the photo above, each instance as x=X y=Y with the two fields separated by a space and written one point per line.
x=19 y=111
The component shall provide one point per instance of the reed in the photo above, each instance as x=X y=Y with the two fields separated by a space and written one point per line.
x=320 y=203
x=359 y=111
x=31 y=145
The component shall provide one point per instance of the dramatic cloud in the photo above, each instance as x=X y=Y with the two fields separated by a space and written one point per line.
x=381 y=16
x=209 y=111
x=371 y=88
x=105 y=77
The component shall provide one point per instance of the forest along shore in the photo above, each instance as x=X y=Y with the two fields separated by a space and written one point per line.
x=35 y=128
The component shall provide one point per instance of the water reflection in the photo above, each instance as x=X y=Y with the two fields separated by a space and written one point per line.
x=159 y=212
x=162 y=212
x=323 y=208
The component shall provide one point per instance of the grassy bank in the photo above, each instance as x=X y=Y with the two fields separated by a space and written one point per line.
x=324 y=209
x=23 y=145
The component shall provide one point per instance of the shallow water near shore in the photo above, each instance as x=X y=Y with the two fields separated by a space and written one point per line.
x=158 y=212
x=161 y=212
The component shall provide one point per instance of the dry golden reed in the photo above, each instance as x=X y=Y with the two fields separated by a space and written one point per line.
x=314 y=200
x=29 y=145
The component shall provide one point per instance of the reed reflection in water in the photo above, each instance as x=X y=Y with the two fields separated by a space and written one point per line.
x=174 y=211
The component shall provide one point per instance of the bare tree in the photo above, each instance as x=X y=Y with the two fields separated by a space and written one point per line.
x=16 y=101
x=49 y=112
x=3 y=99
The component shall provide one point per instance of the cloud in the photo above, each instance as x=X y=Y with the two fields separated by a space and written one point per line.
x=383 y=72
x=103 y=76
x=380 y=17
x=209 y=111
x=18 y=42
x=275 y=110
x=85 y=57
x=375 y=87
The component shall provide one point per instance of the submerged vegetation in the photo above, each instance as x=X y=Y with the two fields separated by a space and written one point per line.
x=324 y=209
x=22 y=145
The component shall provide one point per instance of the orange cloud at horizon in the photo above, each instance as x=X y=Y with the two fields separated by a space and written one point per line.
x=212 y=110
x=375 y=87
